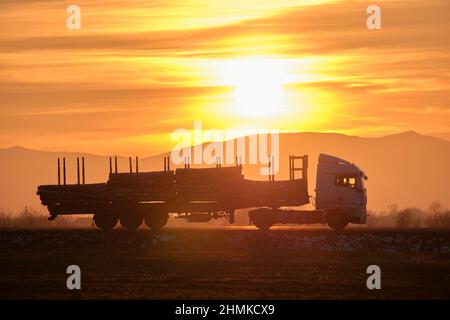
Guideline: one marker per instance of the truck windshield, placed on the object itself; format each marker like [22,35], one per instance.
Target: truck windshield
[346,181]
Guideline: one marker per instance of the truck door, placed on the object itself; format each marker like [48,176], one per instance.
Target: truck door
[350,189]
[347,189]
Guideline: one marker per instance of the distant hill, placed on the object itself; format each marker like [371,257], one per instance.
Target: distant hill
[442,135]
[407,169]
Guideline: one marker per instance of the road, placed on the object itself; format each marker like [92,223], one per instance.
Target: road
[225,263]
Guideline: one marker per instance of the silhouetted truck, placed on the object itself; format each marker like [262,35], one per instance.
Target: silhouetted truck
[201,194]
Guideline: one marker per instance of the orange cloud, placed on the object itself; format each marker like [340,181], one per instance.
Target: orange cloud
[136,71]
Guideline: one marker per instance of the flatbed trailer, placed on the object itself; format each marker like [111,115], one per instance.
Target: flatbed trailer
[197,194]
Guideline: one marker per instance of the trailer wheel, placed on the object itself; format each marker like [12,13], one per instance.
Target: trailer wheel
[157,220]
[105,221]
[263,226]
[261,218]
[131,222]
[336,220]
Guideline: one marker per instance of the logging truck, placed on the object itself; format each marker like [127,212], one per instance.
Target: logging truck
[202,194]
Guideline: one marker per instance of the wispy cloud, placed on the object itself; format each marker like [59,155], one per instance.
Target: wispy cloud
[142,69]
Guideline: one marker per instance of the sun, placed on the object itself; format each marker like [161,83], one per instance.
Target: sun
[258,86]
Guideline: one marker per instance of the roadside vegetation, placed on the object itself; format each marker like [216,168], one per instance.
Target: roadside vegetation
[435,216]
[31,218]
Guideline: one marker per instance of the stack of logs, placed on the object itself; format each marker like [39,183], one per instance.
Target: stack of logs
[209,184]
[143,186]
[72,194]
[184,185]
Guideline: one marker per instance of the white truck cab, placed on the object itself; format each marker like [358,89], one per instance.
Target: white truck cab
[340,191]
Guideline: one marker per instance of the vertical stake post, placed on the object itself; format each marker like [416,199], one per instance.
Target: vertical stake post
[273,168]
[64,170]
[59,171]
[305,168]
[83,171]
[290,168]
[78,170]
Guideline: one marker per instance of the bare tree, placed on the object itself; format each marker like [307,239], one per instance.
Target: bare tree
[438,216]
[409,217]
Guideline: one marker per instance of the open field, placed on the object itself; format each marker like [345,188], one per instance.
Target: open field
[226,263]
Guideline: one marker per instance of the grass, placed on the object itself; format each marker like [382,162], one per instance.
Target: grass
[225,264]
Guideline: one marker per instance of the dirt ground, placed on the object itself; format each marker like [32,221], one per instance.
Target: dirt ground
[225,263]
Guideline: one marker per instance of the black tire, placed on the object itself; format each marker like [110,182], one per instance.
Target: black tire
[337,220]
[105,221]
[263,226]
[261,220]
[156,220]
[131,221]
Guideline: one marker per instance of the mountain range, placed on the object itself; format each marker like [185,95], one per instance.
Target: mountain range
[407,169]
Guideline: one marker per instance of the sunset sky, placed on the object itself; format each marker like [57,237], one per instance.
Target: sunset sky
[138,70]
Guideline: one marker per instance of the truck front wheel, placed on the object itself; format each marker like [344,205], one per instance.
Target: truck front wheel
[157,220]
[336,220]
[105,221]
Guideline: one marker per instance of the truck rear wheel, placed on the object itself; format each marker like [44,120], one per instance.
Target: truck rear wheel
[336,220]
[105,221]
[157,220]
[131,222]
[261,218]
